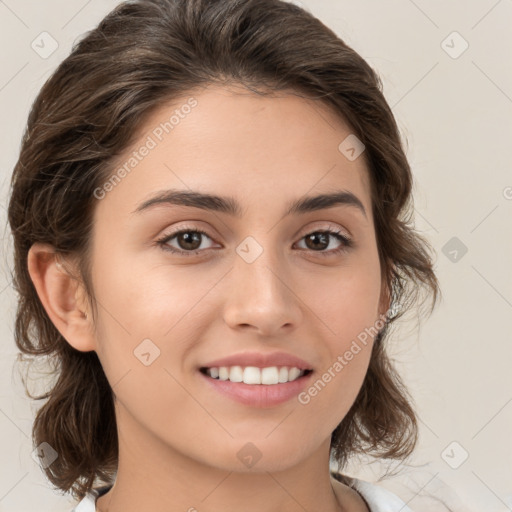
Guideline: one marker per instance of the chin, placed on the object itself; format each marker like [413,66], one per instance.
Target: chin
[259,456]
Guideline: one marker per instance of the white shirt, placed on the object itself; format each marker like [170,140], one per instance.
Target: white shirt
[378,498]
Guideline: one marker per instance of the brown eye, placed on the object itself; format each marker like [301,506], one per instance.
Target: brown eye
[188,241]
[318,241]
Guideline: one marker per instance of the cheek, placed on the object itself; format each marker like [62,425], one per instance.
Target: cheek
[138,303]
[335,387]
[346,312]
[147,323]
[344,303]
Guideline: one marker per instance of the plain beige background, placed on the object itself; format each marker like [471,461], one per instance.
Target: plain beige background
[448,77]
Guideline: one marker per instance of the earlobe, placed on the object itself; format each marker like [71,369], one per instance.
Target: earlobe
[61,295]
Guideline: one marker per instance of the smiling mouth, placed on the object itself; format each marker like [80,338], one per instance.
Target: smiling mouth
[253,375]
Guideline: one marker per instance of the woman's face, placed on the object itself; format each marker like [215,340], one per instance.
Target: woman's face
[261,281]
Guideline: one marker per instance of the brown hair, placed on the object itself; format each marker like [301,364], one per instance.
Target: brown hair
[144,53]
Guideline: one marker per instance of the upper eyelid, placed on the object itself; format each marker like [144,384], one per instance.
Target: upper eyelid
[328,225]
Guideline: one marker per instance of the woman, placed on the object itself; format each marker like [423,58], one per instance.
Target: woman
[211,216]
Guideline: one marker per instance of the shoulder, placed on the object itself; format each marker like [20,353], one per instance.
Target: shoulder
[377,498]
[88,502]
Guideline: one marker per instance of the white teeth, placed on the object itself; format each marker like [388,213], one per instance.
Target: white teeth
[236,374]
[269,375]
[253,375]
[294,373]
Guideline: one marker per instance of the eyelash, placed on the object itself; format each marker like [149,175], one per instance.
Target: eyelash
[347,243]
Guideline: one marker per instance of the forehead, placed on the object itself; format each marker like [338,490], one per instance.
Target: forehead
[264,148]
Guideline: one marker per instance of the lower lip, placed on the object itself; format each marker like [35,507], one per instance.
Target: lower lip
[259,395]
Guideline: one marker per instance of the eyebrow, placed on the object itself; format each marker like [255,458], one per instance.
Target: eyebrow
[230,206]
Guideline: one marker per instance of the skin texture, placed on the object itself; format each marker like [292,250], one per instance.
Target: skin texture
[178,438]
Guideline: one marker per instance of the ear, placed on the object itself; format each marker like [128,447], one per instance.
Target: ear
[62,296]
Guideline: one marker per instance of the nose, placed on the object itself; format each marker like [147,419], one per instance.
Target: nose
[261,297]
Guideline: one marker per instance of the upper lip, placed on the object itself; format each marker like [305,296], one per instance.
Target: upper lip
[260,360]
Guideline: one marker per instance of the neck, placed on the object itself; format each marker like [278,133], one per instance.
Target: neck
[155,476]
